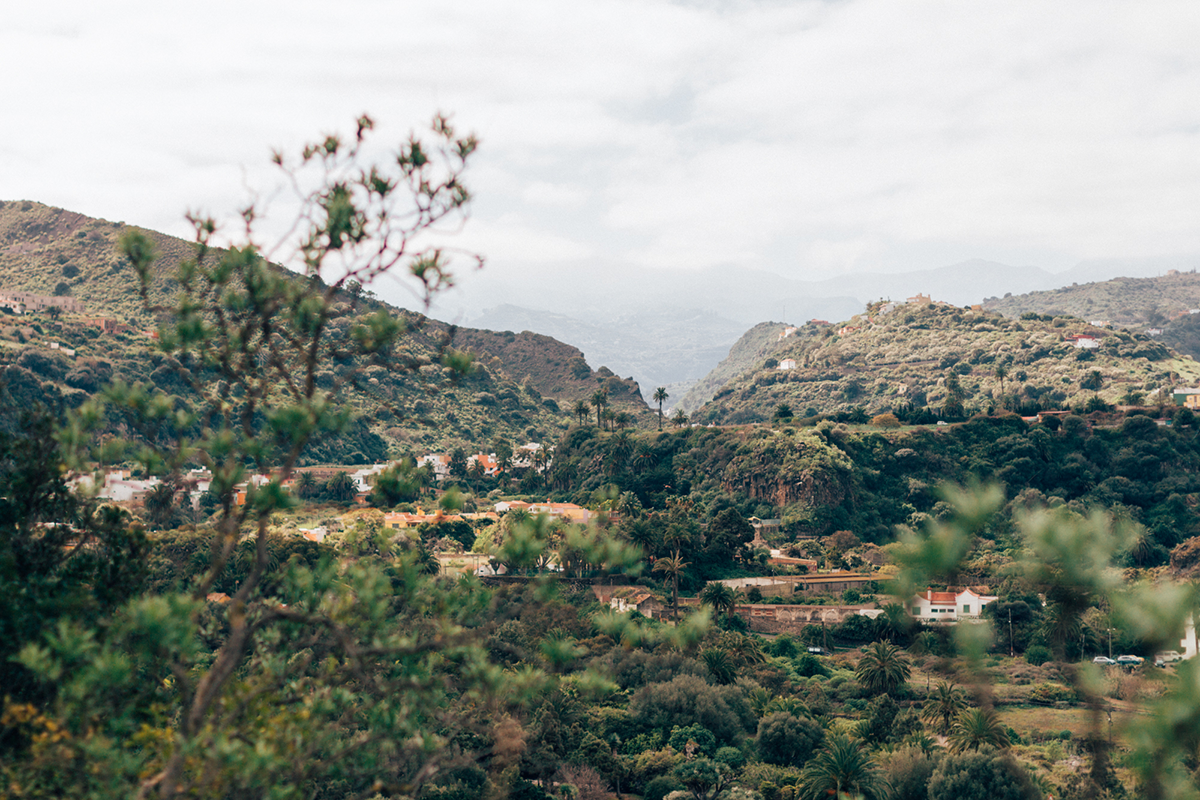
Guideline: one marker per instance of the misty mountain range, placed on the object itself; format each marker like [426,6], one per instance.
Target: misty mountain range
[670,328]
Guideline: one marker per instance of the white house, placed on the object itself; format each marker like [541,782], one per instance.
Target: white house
[787,363]
[439,462]
[362,477]
[948,607]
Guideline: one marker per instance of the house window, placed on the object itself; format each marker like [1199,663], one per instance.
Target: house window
[966,609]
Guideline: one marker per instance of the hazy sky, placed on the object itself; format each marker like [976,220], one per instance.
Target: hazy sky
[804,138]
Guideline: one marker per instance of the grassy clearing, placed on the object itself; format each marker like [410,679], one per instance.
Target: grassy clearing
[1028,719]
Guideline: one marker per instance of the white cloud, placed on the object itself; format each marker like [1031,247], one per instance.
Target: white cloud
[786,136]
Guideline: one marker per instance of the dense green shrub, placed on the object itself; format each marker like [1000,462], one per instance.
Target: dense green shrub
[786,739]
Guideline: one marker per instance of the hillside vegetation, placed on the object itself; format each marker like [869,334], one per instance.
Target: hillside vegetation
[902,360]
[1121,301]
[511,392]
[754,346]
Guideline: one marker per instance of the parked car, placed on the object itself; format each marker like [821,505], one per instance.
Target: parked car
[1129,660]
[1105,660]
[818,651]
[1167,657]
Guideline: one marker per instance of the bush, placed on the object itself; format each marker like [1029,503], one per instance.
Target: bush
[808,666]
[660,787]
[984,775]
[689,700]
[786,739]
[731,757]
[50,366]
[1037,655]
[1052,693]
[783,646]
[705,743]
[885,421]
[909,770]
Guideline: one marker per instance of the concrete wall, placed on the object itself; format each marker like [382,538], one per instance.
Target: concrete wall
[793,619]
[767,618]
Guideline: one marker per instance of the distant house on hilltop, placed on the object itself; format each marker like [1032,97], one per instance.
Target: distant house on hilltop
[107,325]
[948,607]
[1084,341]
[568,512]
[1188,398]
[487,462]
[40,302]
[632,598]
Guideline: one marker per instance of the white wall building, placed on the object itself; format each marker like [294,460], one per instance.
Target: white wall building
[948,607]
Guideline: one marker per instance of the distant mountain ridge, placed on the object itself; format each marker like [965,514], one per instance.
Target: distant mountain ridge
[656,348]
[1122,301]
[884,361]
[612,319]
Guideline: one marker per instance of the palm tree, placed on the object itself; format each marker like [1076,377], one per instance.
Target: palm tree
[842,768]
[582,408]
[160,505]
[563,474]
[942,705]
[642,533]
[306,485]
[720,597]
[882,669]
[1001,373]
[975,728]
[609,416]
[660,397]
[541,459]
[426,562]
[620,448]
[720,666]
[760,700]
[643,458]
[680,418]
[672,566]
[599,401]
[623,419]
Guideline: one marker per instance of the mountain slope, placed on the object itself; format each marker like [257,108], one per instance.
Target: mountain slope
[887,361]
[747,353]
[655,346]
[42,247]
[1122,301]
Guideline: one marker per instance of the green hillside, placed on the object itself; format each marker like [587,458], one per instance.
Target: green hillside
[512,392]
[1127,302]
[551,367]
[754,347]
[902,360]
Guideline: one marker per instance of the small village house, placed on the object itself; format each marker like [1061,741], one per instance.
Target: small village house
[948,607]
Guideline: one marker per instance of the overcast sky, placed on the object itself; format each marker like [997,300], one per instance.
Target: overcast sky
[804,138]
